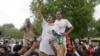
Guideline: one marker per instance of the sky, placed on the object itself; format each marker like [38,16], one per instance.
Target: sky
[16,11]
[96,13]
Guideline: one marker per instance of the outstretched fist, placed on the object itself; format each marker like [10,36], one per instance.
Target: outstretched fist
[37,5]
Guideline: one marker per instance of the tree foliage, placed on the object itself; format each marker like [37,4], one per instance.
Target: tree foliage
[78,12]
[8,30]
[38,26]
[6,26]
[97,28]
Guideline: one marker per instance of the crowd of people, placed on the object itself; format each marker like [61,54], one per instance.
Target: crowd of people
[73,48]
[54,40]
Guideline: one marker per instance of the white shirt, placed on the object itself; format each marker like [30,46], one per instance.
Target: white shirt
[46,35]
[63,23]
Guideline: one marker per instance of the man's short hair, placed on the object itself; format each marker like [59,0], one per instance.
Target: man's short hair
[60,11]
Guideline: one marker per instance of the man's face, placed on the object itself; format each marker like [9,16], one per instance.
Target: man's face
[58,15]
[50,19]
[27,21]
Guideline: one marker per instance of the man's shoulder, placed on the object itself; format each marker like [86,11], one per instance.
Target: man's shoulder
[64,19]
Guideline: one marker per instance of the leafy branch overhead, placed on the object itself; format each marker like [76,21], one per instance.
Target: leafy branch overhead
[78,12]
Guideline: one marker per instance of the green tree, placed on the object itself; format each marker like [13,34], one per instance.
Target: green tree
[8,30]
[91,28]
[78,12]
[38,26]
[14,33]
[6,26]
[1,31]
[97,28]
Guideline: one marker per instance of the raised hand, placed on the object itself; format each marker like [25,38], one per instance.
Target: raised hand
[37,5]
